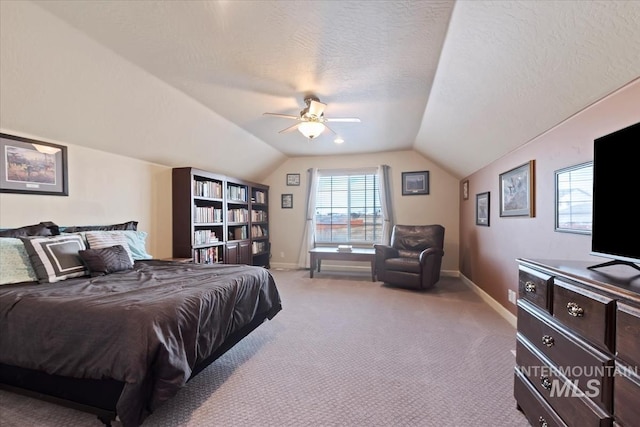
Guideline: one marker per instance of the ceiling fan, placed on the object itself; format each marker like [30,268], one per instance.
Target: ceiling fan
[311,121]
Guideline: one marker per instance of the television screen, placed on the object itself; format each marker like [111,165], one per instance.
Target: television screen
[616,191]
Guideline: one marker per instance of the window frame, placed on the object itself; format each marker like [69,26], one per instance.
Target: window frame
[377,223]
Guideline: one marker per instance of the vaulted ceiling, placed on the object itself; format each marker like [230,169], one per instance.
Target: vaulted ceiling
[462,82]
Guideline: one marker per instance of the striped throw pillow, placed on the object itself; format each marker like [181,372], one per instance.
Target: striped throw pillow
[106,260]
[104,239]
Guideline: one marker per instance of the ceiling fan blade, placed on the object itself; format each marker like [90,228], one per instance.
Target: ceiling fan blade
[332,131]
[343,119]
[286,116]
[290,128]
[316,108]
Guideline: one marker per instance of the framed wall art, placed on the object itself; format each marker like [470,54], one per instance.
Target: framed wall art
[483,208]
[574,198]
[414,183]
[287,201]
[465,189]
[293,179]
[32,167]
[517,191]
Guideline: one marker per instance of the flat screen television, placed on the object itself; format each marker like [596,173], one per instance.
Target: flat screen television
[616,196]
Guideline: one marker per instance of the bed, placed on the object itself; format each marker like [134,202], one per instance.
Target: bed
[121,344]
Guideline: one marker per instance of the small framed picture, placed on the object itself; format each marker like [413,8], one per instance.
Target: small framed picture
[287,201]
[483,206]
[293,179]
[517,191]
[414,183]
[32,167]
[465,189]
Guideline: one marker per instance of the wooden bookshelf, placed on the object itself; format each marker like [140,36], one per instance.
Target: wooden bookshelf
[219,219]
[259,225]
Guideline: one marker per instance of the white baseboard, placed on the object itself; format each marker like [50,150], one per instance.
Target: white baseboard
[284,266]
[506,314]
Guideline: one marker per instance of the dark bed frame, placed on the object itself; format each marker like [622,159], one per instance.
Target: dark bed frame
[99,397]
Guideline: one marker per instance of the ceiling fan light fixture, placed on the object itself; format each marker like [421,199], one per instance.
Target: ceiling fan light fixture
[311,129]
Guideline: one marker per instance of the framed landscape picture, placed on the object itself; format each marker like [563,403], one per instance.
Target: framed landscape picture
[32,167]
[517,191]
[414,183]
[483,206]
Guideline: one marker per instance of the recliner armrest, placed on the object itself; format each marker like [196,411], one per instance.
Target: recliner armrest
[385,251]
[430,252]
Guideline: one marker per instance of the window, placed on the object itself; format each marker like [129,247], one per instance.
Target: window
[574,198]
[348,208]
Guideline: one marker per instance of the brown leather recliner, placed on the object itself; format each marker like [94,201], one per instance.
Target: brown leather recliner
[414,258]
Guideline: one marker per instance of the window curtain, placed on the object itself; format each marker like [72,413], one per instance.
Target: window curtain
[385,203]
[309,235]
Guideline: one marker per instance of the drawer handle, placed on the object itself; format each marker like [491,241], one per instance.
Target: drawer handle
[546,383]
[548,340]
[530,287]
[575,310]
[542,421]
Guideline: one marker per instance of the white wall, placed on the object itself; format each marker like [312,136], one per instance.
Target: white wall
[58,83]
[439,207]
[104,188]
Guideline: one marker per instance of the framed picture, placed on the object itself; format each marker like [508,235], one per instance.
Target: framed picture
[32,167]
[465,189]
[293,179]
[516,191]
[414,183]
[574,197]
[287,201]
[483,208]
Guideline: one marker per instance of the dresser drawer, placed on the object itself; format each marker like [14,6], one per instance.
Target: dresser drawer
[535,408]
[628,334]
[588,314]
[574,408]
[535,287]
[627,404]
[580,362]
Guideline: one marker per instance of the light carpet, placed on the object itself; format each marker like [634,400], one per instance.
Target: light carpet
[344,351]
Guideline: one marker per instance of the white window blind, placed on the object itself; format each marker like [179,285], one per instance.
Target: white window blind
[348,208]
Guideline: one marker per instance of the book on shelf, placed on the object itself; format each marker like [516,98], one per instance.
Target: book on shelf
[344,248]
[208,189]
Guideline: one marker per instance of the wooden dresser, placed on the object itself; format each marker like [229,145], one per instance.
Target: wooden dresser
[578,344]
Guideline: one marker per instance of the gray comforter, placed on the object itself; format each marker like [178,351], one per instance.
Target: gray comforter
[147,327]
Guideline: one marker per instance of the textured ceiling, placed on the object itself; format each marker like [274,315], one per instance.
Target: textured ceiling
[462,82]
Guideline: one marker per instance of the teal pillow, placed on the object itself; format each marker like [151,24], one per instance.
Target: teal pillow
[137,244]
[15,266]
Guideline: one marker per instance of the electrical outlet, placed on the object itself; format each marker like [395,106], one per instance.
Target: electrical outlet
[512,296]
[281,254]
